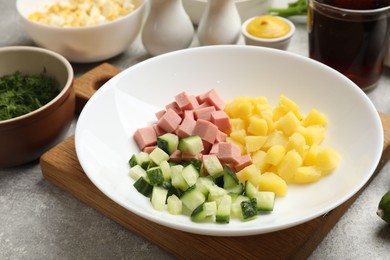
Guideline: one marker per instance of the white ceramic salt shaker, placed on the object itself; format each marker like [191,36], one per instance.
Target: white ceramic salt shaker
[167,27]
[220,23]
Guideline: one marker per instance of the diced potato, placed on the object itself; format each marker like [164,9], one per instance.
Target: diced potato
[297,142]
[275,138]
[287,104]
[314,134]
[245,110]
[306,174]
[288,165]
[237,124]
[275,154]
[250,173]
[254,143]
[270,181]
[258,160]
[315,118]
[327,160]
[311,155]
[257,126]
[239,136]
[287,123]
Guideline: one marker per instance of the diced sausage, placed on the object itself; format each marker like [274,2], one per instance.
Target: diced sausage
[175,156]
[186,128]
[169,121]
[221,137]
[229,153]
[145,136]
[206,130]
[204,113]
[160,113]
[220,119]
[175,107]
[149,149]
[245,161]
[185,101]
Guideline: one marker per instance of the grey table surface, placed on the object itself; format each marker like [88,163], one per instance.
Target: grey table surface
[40,221]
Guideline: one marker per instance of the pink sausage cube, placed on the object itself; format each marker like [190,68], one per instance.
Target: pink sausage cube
[220,119]
[186,102]
[206,130]
[186,128]
[221,137]
[229,153]
[214,99]
[206,147]
[175,156]
[175,107]
[169,121]
[204,113]
[145,136]
[159,131]
[160,113]
[189,114]
[149,149]
[189,157]
[214,149]
[245,161]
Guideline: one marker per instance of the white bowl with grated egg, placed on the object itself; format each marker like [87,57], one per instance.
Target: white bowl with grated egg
[91,42]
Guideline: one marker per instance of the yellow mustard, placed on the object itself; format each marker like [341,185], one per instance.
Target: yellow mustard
[268,26]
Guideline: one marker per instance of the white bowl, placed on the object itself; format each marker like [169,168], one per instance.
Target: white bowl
[246,8]
[130,100]
[83,44]
[281,43]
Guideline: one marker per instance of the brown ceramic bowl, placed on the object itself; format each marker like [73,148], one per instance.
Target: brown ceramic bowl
[25,138]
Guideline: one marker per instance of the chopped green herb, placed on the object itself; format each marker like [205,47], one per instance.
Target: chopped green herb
[298,7]
[21,94]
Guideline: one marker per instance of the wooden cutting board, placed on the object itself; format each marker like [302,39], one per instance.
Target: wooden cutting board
[61,167]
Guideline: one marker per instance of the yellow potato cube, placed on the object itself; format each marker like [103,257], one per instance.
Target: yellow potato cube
[315,118]
[275,138]
[257,126]
[245,110]
[238,136]
[306,174]
[258,160]
[254,143]
[311,155]
[327,160]
[270,181]
[287,123]
[250,173]
[297,142]
[237,124]
[288,165]
[277,113]
[287,104]
[314,134]
[275,154]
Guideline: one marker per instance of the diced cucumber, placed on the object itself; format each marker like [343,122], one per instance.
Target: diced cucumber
[238,189]
[158,155]
[142,159]
[265,200]
[190,174]
[175,205]
[236,210]
[143,187]
[224,208]
[203,211]
[137,172]
[155,175]
[177,177]
[230,179]
[250,189]
[192,198]
[192,145]
[166,170]
[168,142]
[249,209]
[216,193]
[158,198]
[213,166]
[203,182]
[198,164]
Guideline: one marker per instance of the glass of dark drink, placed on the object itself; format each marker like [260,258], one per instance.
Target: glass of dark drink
[351,36]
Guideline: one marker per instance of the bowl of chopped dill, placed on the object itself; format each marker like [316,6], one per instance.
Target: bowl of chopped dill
[37,102]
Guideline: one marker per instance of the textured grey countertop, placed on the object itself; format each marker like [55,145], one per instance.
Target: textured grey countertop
[40,221]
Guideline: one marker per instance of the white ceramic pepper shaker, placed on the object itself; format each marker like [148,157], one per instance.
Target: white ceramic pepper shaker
[167,27]
[220,23]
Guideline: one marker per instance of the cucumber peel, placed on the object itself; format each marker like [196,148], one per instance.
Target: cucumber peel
[384,207]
